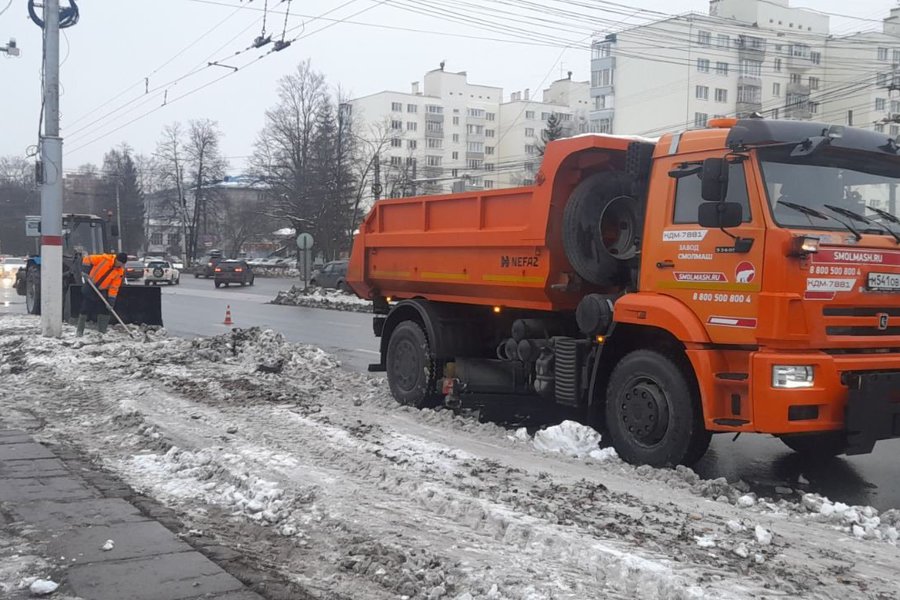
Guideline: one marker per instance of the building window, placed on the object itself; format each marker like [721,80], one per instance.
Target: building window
[721,68]
[545,116]
[454,173]
[528,181]
[475,147]
[396,161]
[604,126]
[721,95]
[778,65]
[796,100]
[529,132]
[411,108]
[488,149]
[489,116]
[601,50]
[703,65]
[813,107]
[700,119]
[433,161]
[815,57]
[410,161]
[795,77]
[751,68]
[434,127]
[434,109]
[455,138]
[474,163]
[396,142]
[454,156]
[489,133]
[601,78]
[396,106]
[723,41]
[529,114]
[881,79]
[456,120]
[895,130]
[156,239]
[813,83]
[530,149]
[776,90]
[411,126]
[488,184]
[895,106]
[477,113]
[396,124]
[412,144]
[435,143]
[704,38]
[879,127]
[702,92]
[880,104]
[475,129]
[488,166]
[882,54]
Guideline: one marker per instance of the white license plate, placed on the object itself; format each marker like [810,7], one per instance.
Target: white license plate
[886,282]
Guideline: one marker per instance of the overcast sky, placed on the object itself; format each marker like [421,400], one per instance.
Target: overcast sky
[364,46]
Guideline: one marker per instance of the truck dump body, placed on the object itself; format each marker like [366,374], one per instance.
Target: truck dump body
[490,248]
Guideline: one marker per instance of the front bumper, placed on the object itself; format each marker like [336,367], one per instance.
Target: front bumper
[873,409]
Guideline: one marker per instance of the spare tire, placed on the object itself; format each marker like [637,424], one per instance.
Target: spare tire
[157,272]
[601,227]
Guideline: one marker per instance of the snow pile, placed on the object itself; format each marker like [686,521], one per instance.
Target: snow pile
[571,439]
[316,297]
[860,521]
[43,587]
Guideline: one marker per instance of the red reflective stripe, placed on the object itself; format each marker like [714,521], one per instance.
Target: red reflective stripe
[51,240]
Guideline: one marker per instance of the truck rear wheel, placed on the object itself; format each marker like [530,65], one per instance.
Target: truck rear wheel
[653,412]
[410,366]
[33,291]
[817,445]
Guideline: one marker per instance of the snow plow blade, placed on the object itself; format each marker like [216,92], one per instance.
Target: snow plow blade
[135,305]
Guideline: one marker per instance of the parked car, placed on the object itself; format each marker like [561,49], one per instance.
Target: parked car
[176,263]
[134,271]
[208,264]
[331,275]
[9,266]
[160,271]
[233,271]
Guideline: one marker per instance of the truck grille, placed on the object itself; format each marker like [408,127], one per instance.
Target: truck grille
[862,321]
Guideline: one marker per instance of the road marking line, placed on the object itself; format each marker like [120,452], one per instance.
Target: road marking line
[339,324]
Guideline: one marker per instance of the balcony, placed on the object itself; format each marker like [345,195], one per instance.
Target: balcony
[750,47]
[800,89]
[434,133]
[749,80]
[434,117]
[799,63]
[798,111]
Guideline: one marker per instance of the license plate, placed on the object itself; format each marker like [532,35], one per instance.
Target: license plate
[886,282]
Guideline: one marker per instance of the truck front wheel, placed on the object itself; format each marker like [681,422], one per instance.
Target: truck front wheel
[33,291]
[410,366]
[653,412]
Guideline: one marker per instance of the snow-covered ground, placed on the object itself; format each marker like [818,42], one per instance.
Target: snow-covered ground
[316,472]
[316,297]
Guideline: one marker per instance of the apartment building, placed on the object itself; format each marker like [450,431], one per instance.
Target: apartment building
[744,57]
[450,135]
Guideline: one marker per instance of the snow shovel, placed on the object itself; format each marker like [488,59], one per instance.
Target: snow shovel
[109,307]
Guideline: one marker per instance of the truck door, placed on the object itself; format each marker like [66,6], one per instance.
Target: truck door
[704,268]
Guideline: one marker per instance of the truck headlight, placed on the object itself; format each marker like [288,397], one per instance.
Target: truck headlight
[792,376]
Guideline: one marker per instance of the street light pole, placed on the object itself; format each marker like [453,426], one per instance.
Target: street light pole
[51,182]
[119,215]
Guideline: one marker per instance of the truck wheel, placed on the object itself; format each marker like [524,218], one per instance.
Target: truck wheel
[410,367]
[817,445]
[601,226]
[218,284]
[653,413]
[33,291]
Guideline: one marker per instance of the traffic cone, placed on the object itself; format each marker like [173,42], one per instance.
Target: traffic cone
[228,320]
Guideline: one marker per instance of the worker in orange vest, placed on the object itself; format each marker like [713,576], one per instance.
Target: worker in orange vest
[107,272]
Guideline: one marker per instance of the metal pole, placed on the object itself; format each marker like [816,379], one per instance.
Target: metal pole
[52,183]
[119,215]
[305,265]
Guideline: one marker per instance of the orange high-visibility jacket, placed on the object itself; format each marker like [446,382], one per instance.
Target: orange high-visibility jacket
[105,275]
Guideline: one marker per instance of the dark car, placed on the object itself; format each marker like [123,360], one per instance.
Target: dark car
[233,271]
[332,275]
[134,271]
[207,267]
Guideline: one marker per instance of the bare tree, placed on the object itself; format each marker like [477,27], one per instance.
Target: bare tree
[171,160]
[15,170]
[206,166]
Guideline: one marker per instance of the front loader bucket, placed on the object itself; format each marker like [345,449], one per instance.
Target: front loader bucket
[140,305]
[135,305]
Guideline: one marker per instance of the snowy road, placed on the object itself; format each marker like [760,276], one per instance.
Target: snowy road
[319,474]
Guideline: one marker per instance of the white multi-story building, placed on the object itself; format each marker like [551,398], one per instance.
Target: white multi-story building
[449,134]
[745,57]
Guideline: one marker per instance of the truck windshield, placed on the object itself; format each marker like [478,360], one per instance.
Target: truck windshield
[840,177]
[84,236]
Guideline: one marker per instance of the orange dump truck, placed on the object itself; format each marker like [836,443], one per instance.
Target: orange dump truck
[740,278]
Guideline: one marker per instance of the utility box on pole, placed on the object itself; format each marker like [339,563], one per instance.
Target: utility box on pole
[51,182]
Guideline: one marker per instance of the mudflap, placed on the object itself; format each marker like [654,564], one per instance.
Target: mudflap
[136,305]
[873,410]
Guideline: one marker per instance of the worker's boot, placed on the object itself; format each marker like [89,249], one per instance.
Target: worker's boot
[79,329]
[102,323]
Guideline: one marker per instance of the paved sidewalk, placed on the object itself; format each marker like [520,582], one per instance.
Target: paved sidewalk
[70,520]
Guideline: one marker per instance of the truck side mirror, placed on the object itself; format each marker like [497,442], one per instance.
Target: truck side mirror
[114,230]
[720,215]
[714,186]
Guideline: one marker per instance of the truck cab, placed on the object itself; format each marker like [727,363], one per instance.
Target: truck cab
[738,278]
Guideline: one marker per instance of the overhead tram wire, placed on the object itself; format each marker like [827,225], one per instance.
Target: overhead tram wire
[247,65]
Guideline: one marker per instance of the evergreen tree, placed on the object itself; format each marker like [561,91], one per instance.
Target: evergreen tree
[553,131]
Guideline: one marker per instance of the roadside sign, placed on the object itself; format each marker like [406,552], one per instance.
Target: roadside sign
[304,241]
[33,226]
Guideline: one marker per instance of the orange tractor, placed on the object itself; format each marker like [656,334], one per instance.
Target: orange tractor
[739,278]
